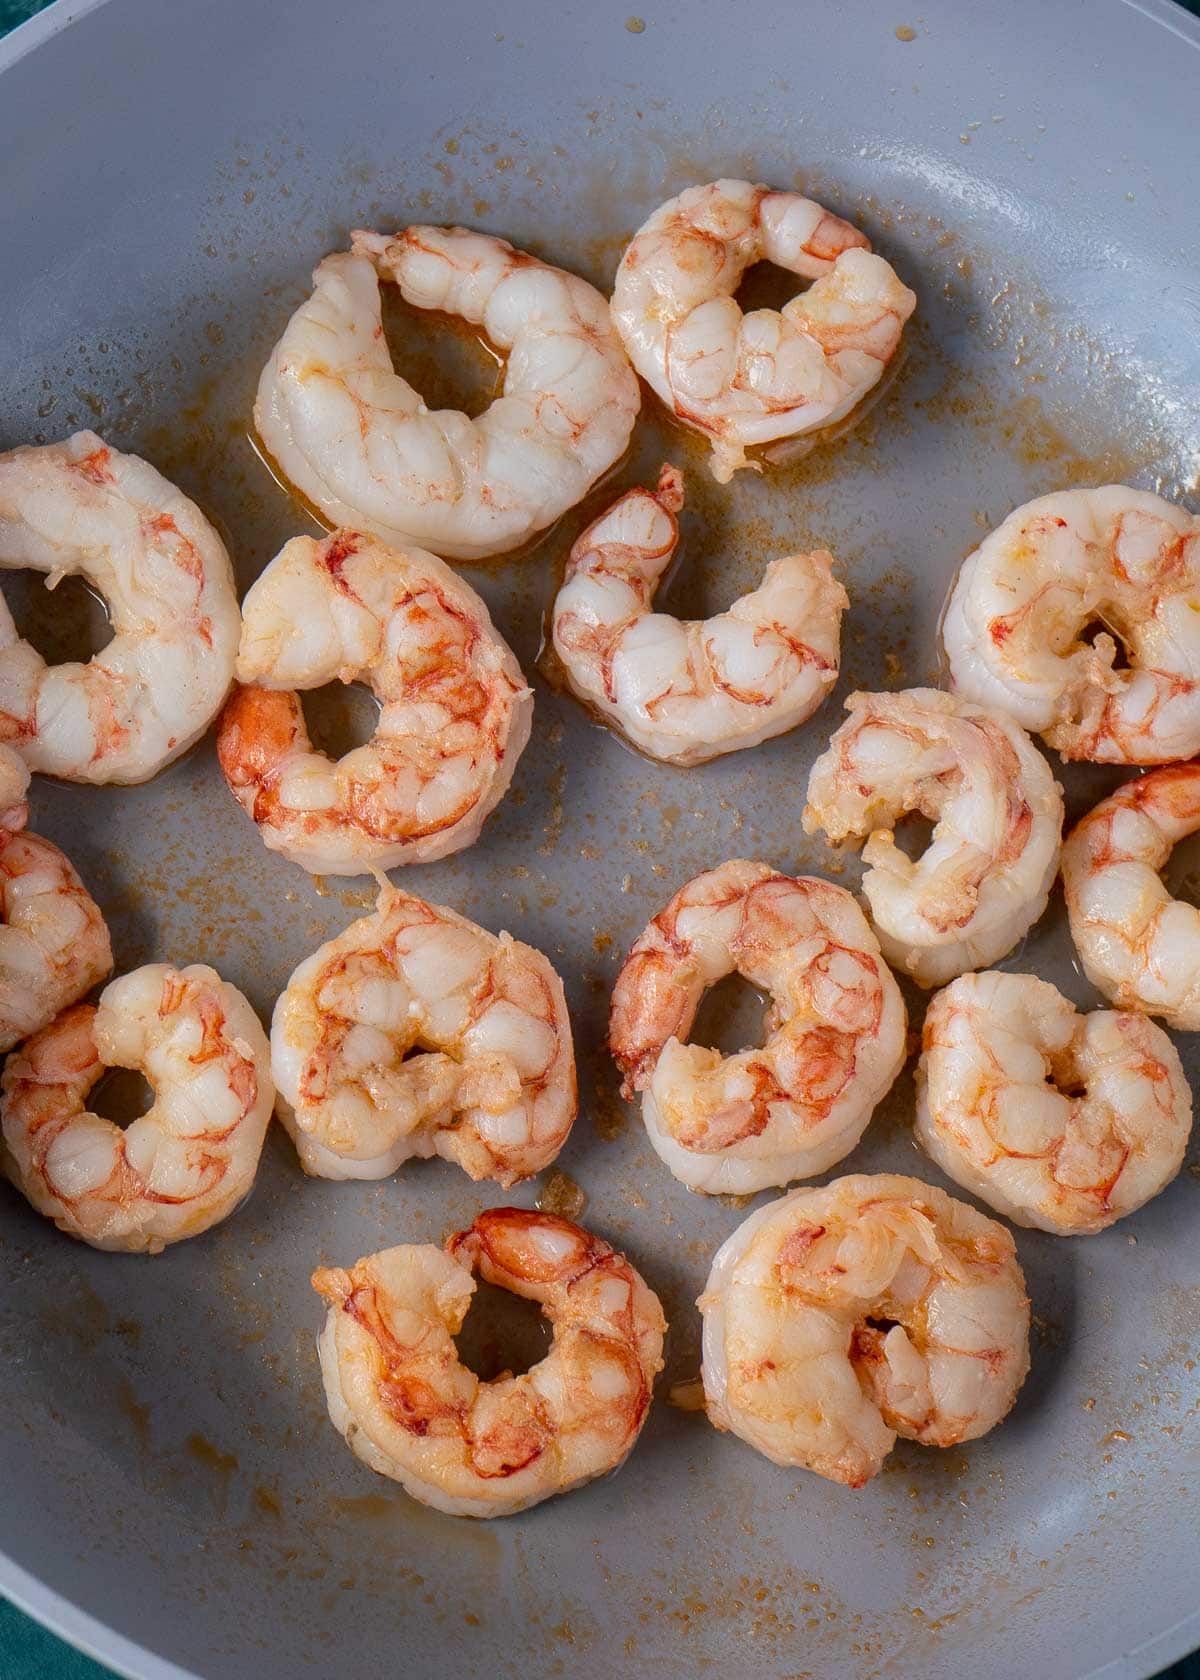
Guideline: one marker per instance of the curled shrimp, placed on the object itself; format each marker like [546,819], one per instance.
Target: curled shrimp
[835,1028]
[188,1161]
[410,1409]
[750,379]
[14,784]
[54,944]
[359,442]
[1138,945]
[416,1033]
[997,812]
[80,507]
[685,693]
[454,708]
[839,1317]
[1014,627]
[1063,1121]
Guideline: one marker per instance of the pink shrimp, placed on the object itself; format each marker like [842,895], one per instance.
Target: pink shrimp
[410,1409]
[835,1031]
[750,379]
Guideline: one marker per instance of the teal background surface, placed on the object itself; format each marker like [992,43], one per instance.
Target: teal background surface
[13,12]
[28,1651]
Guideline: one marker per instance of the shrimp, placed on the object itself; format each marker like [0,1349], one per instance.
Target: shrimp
[685,693]
[1058,1120]
[1138,945]
[454,708]
[1015,623]
[359,442]
[81,507]
[411,1410]
[54,945]
[835,1028]
[14,784]
[839,1317]
[416,1033]
[749,379]
[188,1161]
[997,812]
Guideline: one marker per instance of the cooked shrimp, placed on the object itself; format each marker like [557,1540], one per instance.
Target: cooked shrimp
[1058,1120]
[416,1033]
[997,812]
[686,693]
[54,945]
[14,784]
[454,708]
[1015,622]
[749,379]
[1137,944]
[188,1161]
[839,1317]
[411,1410]
[80,507]
[835,1029]
[359,442]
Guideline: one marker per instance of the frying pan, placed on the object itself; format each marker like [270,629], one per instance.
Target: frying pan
[174,1497]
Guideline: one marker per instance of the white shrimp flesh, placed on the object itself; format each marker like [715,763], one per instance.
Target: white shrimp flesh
[1077,616]
[454,709]
[839,1317]
[82,508]
[408,1407]
[358,441]
[179,1168]
[1138,945]
[835,1030]
[1063,1121]
[986,873]
[687,692]
[744,380]
[417,1033]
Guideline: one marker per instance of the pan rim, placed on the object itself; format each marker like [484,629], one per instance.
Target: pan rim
[80,1629]
[42,27]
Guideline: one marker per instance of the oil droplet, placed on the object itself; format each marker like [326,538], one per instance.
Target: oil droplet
[608,1116]
[904,32]
[137,1412]
[204,1452]
[266,1500]
[687,1396]
[636,25]
[367,1505]
[562,1196]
